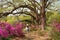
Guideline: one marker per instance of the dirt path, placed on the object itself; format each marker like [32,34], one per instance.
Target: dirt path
[33,36]
[36,36]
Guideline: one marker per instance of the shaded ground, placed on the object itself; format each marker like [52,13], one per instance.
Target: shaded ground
[34,36]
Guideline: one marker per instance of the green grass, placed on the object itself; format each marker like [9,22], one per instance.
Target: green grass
[24,17]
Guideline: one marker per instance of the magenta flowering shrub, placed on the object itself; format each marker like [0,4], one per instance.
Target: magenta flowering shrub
[56,25]
[18,29]
[4,33]
[7,30]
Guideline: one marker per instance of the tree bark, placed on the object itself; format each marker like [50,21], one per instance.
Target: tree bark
[43,16]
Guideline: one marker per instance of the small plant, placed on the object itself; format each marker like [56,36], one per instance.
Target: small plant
[56,30]
[55,35]
[56,25]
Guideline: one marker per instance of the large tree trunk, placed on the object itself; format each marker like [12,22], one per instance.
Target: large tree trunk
[43,16]
[43,21]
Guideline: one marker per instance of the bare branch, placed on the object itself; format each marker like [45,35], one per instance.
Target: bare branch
[7,13]
[4,14]
[35,4]
[27,13]
[21,6]
[34,1]
[48,4]
[46,1]
[12,4]
[25,6]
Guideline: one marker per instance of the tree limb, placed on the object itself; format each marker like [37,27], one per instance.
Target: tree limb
[48,4]
[34,1]
[25,6]
[12,4]
[27,13]
[4,14]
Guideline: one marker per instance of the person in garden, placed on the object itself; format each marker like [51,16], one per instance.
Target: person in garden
[27,28]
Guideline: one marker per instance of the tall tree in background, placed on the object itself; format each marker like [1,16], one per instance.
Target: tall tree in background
[39,9]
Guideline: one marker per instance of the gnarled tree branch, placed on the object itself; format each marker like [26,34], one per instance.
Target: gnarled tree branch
[25,6]
[48,4]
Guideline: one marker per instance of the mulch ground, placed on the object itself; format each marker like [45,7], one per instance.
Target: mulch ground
[33,36]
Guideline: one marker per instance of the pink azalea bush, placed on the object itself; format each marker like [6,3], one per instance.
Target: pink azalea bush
[55,33]
[56,25]
[7,30]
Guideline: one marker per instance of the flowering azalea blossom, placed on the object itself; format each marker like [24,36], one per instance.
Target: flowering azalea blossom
[7,30]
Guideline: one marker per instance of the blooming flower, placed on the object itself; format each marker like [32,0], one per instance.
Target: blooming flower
[7,30]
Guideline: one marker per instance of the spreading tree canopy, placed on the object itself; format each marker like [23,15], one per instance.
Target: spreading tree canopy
[35,8]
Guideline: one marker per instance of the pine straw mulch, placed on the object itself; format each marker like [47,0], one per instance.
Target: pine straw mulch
[33,36]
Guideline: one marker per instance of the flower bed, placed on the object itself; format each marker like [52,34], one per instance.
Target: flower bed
[7,30]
